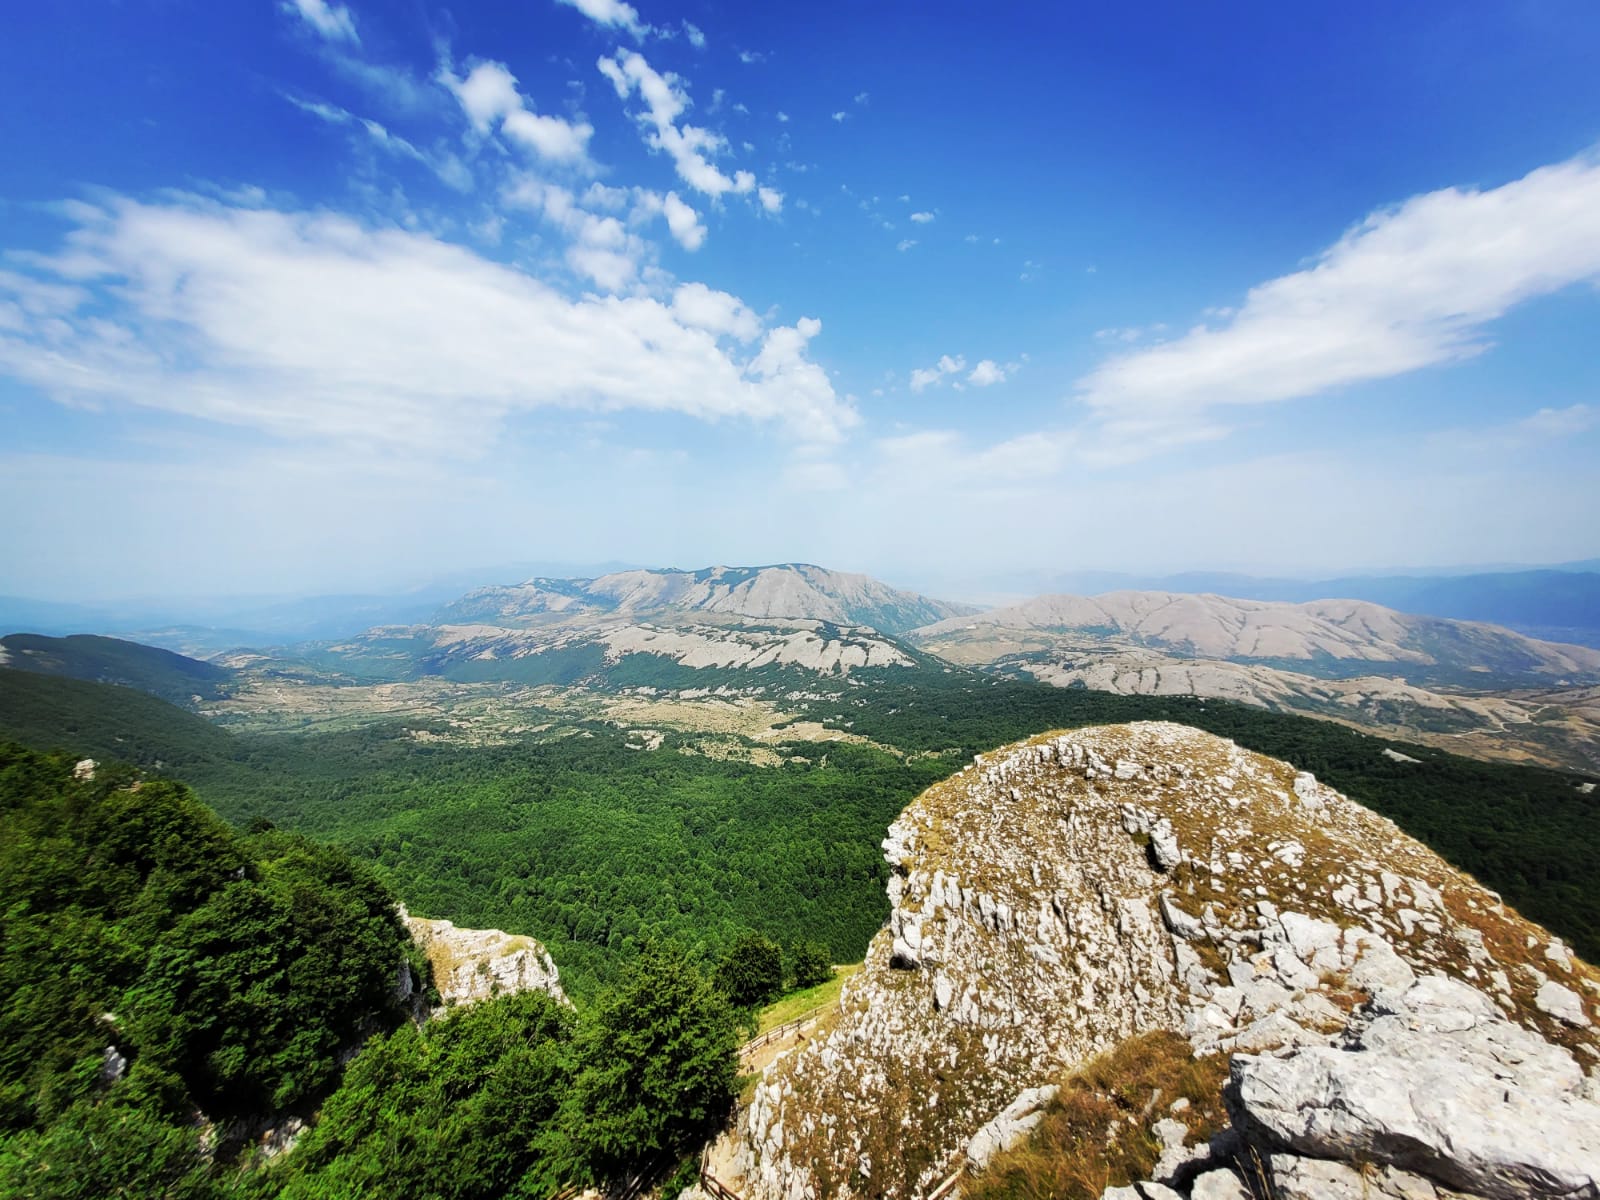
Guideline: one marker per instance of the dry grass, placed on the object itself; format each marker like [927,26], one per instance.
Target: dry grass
[1097,1132]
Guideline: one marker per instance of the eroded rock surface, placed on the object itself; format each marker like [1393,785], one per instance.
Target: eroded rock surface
[1065,894]
[474,964]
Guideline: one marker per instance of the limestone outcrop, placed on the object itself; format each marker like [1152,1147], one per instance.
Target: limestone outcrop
[1381,1010]
[475,964]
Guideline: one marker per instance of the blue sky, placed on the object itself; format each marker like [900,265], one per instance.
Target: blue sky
[301,295]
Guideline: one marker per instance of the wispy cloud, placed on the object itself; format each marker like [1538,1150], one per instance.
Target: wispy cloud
[332,21]
[689,146]
[1409,287]
[450,169]
[313,327]
[1536,429]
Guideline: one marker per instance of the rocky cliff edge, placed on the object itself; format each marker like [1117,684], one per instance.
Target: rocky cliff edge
[1385,1025]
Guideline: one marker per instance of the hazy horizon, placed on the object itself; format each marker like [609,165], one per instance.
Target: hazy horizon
[306,297]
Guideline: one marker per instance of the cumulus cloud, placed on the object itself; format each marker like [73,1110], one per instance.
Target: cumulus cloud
[922,218]
[332,21]
[1409,287]
[987,372]
[613,14]
[684,222]
[924,377]
[489,95]
[689,146]
[771,199]
[697,39]
[702,307]
[315,328]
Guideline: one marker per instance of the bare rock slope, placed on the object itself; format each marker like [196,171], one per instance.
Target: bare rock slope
[1058,898]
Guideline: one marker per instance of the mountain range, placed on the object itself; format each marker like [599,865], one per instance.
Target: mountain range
[802,630]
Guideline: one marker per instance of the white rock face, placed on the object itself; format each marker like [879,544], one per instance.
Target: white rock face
[475,964]
[1438,1083]
[1065,894]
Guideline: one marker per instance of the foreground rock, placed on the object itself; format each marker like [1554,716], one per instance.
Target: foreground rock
[1064,895]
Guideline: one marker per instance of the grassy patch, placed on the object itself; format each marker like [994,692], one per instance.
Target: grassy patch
[807,1001]
[1097,1132]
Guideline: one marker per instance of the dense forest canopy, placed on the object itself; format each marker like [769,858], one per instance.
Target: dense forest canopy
[172,988]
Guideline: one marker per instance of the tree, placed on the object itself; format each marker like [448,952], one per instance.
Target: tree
[657,1057]
[809,963]
[751,973]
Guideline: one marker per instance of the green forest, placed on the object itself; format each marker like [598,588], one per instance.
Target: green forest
[172,989]
[596,849]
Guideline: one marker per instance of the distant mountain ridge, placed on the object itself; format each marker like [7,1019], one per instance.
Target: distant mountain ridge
[1322,637]
[1472,687]
[788,591]
[1558,603]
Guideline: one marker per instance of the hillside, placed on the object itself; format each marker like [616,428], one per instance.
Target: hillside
[1095,937]
[106,721]
[789,591]
[173,677]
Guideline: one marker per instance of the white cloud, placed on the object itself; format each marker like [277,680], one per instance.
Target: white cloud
[332,21]
[684,222]
[696,37]
[841,116]
[701,307]
[863,97]
[602,249]
[1410,287]
[489,94]
[924,377]
[905,243]
[613,14]
[771,199]
[687,145]
[783,118]
[922,218]
[987,372]
[750,57]
[314,328]
[450,169]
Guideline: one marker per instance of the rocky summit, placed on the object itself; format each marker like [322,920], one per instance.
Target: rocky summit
[1378,1023]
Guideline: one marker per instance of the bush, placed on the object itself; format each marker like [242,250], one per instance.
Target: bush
[751,973]
[809,963]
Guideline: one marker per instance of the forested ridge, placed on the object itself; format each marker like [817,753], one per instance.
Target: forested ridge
[170,990]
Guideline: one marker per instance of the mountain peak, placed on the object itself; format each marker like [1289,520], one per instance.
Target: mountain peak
[782,591]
